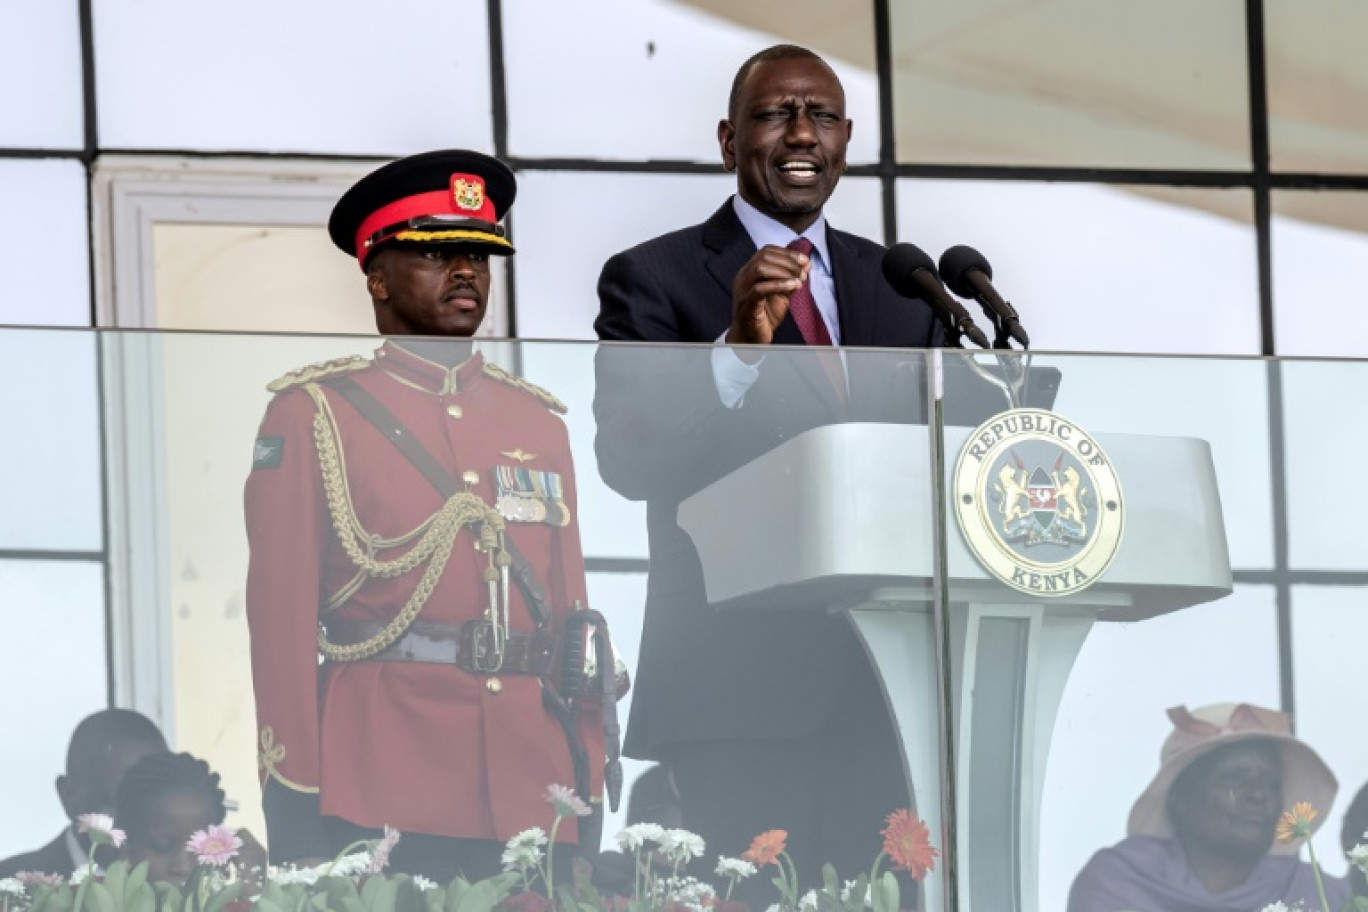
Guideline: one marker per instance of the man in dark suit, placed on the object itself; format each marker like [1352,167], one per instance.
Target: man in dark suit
[102,747]
[769,719]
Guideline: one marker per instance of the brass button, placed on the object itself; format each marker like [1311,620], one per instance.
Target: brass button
[493,685]
[455,411]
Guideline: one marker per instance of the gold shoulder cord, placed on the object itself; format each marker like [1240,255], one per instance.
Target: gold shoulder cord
[436,537]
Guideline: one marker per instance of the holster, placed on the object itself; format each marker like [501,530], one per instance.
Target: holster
[573,689]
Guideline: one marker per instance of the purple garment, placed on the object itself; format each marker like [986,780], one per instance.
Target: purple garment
[1145,874]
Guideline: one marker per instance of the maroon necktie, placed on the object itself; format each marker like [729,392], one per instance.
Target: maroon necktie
[809,319]
[803,306]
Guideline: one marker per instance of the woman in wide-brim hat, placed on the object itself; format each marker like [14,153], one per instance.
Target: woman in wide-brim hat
[1201,837]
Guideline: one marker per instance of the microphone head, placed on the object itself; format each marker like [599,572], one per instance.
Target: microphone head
[955,266]
[901,260]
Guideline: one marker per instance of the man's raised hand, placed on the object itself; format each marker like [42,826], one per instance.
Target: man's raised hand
[760,294]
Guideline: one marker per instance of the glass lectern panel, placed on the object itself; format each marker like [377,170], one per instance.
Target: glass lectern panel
[1126,651]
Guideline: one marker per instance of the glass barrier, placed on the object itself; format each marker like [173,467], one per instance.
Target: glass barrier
[1124,635]
[371,582]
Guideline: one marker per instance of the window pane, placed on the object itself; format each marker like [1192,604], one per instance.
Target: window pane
[51,241]
[40,75]
[1328,629]
[1317,85]
[325,76]
[54,668]
[651,79]
[1320,266]
[1071,82]
[1104,268]
[1322,446]
[50,474]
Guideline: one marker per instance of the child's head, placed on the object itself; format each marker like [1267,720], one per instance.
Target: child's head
[162,800]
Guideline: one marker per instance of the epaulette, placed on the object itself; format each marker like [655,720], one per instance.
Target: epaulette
[503,376]
[318,372]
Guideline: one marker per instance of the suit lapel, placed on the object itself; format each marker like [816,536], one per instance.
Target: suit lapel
[854,291]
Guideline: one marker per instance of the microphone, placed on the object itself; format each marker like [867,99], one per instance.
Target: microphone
[912,274]
[967,273]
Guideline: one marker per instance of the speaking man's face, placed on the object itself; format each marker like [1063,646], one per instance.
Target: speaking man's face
[429,289]
[787,142]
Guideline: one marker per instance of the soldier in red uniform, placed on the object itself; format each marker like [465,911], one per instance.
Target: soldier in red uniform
[416,574]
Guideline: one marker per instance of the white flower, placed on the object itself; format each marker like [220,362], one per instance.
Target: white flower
[423,884]
[289,874]
[13,886]
[774,907]
[101,829]
[352,865]
[736,868]
[79,875]
[681,846]
[638,834]
[849,887]
[528,839]
[808,902]
[1276,907]
[690,893]
[519,857]
[1358,856]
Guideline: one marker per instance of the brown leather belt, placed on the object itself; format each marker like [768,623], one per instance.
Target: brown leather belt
[469,646]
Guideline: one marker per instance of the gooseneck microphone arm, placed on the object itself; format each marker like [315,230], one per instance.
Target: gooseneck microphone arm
[912,274]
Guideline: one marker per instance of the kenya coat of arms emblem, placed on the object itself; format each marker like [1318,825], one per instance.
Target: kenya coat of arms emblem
[1038,502]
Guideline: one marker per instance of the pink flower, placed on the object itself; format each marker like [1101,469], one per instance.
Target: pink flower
[380,857]
[215,846]
[39,879]
[567,803]
[101,829]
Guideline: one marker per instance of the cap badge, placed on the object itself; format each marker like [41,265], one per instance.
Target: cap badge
[468,194]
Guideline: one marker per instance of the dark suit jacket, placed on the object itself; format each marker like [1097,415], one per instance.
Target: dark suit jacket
[52,858]
[663,434]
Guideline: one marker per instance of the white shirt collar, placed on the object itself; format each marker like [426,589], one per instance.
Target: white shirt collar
[765,230]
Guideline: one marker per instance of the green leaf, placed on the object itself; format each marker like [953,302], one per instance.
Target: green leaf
[885,893]
[115,878]
[140,898]
[456,891]
[484,895]
[1361,903]
[137,879]
[266,904]
[98,898]
[382,897]
[223,897]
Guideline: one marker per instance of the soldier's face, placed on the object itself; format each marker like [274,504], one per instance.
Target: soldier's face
[788,142]
[429,289]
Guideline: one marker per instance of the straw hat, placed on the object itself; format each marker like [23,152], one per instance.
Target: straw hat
[1208,728]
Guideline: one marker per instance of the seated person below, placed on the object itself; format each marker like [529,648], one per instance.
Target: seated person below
[1202,837]
[163,800]
[1353,834]
[102,746]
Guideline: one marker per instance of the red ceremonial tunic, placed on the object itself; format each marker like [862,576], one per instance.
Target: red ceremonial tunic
[426,748]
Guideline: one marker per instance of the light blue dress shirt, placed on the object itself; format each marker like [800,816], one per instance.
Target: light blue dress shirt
[735,377]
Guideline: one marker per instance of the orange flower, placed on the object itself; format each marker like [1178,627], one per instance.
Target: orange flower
[765,848]
[1296,823]
[908,843]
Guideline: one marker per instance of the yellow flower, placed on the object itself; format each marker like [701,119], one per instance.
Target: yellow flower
[1296,823]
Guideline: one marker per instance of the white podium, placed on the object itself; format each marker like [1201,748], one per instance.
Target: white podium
[841,518]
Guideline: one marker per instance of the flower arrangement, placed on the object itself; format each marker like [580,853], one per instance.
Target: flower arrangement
[357,879]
